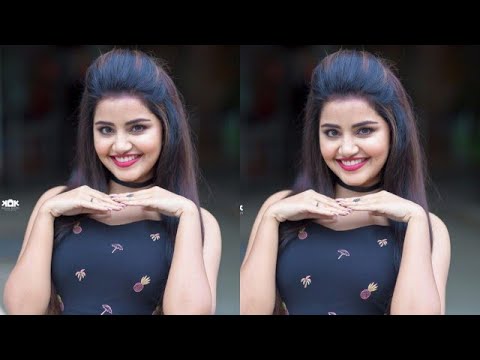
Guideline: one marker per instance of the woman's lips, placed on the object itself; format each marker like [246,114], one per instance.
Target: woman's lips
[352,167]
[126,163]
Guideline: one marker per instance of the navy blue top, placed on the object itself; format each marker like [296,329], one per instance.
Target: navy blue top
[324,271]
[104,269]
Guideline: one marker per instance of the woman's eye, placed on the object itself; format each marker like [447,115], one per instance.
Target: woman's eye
[365,131]
[138,128]
[331,133]
[105,130]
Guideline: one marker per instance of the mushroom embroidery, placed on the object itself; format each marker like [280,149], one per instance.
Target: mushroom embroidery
[365,294]
[106,309]
[117,247]
[302,234]
[77,229]
[80,274]
[155,237]
[139,285]
[343,252]
[306,281]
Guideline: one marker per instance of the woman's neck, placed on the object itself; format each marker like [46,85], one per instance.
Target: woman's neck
[117,186]
[341,192]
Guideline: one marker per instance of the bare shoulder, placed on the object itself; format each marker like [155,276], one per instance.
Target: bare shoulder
[441,236]
[45,196]
[52,192]
[272,199]
[438,225]
[213,237]
[208,219]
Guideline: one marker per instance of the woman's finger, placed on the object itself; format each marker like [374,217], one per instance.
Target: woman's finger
[340,210]
[365,207]
[320,211]
[95,195]
[130,196]
[110,204]
[135,202]
[88,207]
[326,200]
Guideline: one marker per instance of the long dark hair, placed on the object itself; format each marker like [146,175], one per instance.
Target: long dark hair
[359,74]
[130,72]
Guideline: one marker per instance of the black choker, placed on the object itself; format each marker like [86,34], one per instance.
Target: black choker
[360,188]
[131,184]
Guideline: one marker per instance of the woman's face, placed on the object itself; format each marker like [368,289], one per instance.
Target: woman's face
[127,138]
[354,141]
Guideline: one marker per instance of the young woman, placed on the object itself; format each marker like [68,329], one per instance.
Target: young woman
[354,235]
[126,234]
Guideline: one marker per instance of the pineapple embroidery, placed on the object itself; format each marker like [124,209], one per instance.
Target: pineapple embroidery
[302,234]
[365,294]
[77,229]
[155,237]
[343,252]
[80,274]
[60,303]
[139,285]
[382,242]
[306,281]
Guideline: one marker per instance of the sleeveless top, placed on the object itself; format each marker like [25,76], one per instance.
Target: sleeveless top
[329,272]
[112,269]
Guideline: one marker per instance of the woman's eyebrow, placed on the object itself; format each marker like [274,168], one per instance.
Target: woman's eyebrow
[129,122]
[362,123]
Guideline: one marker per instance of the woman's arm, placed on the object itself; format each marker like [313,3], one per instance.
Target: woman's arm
[422,278]
[257,274]
[28,287]
[191,284]
[212,252]
[27,290]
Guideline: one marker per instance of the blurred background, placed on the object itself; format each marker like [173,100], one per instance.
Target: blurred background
[40,90]
[444,83]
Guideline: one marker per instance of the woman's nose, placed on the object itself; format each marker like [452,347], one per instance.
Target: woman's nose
[121,144]
[348,148]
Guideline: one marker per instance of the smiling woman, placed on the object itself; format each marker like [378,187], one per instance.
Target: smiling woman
[130,144]
[126,235]
[360,193]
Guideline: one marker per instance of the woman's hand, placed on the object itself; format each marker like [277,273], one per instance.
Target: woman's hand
[81,200]
[384,203]
[306,205]
[158,199]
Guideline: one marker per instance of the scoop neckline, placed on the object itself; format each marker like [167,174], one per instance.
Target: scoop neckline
[132,222]
[357,228]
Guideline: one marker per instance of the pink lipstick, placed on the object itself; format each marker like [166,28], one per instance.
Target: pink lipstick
[125,163]
[352,167]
